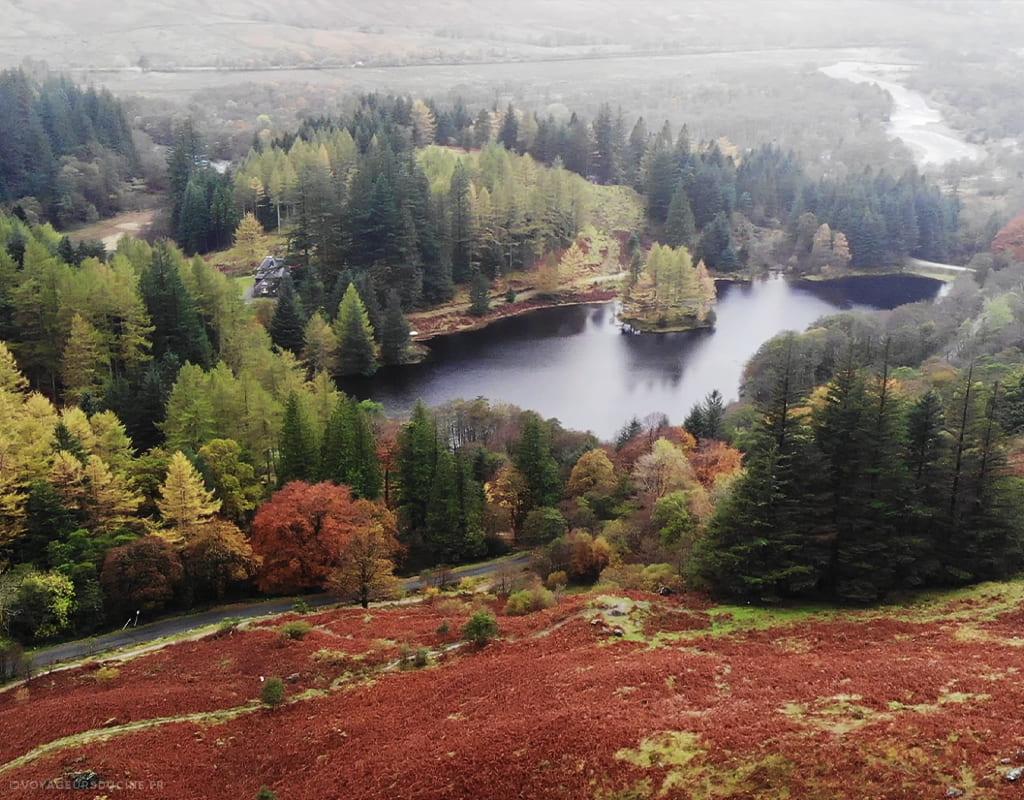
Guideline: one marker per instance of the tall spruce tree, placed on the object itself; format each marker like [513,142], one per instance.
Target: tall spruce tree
[297,455]
[178,330]
[532,457]
[765,540]
[394,338]
[680,229]
[417,459]
[287,327]
[356,349]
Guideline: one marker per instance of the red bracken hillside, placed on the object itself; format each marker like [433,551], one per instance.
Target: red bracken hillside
[603,696]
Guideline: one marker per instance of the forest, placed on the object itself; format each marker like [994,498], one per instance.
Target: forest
[65,152]
[168,444]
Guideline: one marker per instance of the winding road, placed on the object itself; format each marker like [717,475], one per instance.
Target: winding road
[175,626]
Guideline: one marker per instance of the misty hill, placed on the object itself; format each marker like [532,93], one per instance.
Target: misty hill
[260,33]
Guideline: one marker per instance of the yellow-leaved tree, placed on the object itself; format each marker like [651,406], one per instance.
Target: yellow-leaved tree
[185,503]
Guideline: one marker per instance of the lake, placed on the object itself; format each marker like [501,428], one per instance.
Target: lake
[573,363]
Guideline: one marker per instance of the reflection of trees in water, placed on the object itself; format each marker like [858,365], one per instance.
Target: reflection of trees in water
[866,290]
[661,358]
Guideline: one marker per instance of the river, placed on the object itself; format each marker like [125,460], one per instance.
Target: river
[573,363]
[914,121]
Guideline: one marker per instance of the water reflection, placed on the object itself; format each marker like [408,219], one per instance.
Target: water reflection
[573,363]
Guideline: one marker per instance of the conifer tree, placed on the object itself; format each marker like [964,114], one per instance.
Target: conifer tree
[348,453]
[297,455]
[509,133]
[395,332]
[680,229]
[178,329]
[417,458]
[479,294]
[184,501]
[287,326]
[356,349]
[532,457]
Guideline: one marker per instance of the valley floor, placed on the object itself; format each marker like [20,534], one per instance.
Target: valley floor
[612,696]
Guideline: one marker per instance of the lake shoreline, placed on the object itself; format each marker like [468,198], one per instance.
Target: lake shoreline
[464,324]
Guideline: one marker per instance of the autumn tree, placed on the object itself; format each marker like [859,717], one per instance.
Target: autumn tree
[250,239]
[366,566]
[185,503]
[217,558]
[143,575]
[302,531]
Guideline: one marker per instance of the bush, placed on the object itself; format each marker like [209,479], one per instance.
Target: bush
[421,659]
[227,626]
[543,525]
[444,629]
[526,601]
[301,607]
[644,578]
[13,662]
[265,793]
[557,579]
[272,693]
[578,555]
[481,628]
[42,606]
[295,630]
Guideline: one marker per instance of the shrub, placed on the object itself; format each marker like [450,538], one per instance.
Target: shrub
[526,601]
[422,658]
[42,606]
[272,693]
[481,628]
[557,579]
[295,630]
[301,607]
[13,662]
[265,793]
[106,674]
[645,578]
[543,525]
[227,626]
[444,629]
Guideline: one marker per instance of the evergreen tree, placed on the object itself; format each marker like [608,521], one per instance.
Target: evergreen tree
[705,418]
[461,223]
[348,453]
[417,458]
[455,511]
[764,541]
[356,350]
[509,133]
[287,328]
[479,294]
[680,230]
[532,457]
[297,456]
[395,332]
[178,330]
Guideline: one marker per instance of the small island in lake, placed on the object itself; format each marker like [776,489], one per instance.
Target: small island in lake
[669,294]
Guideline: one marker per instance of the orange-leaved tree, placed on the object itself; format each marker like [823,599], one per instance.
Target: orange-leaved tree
[301,533]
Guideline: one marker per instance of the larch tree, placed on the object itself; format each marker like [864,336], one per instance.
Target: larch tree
[85,362]
[185,502]
[320,350]
[250,239]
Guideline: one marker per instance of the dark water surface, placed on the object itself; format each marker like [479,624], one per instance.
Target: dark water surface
[574,364]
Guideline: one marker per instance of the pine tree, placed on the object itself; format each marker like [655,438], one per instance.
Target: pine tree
[454,514]
[84,360]
[356,349]
[417,459]
[178,329]
[395,332]
[184,501]
[509,133]
[297,456]
[680,230]
[765,540]
[348,453]
[287,326]
[479,294]
[532,457]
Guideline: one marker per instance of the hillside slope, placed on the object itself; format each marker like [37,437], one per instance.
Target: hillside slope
[234,33]
[625,696]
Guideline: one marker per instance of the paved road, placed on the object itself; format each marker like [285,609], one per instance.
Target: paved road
[173,626]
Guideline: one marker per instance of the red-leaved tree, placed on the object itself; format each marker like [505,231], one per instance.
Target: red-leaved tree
[301,534]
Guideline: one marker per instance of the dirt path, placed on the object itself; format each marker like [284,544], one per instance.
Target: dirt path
[110,231]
